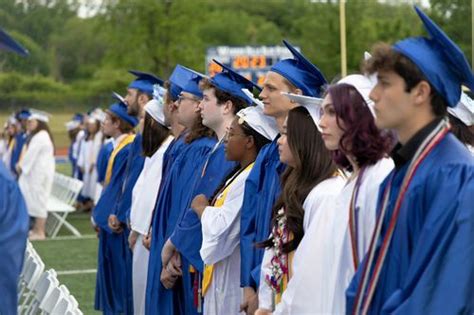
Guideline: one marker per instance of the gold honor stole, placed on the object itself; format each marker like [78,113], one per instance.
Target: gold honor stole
[209,269]
[12,145]
[127,140]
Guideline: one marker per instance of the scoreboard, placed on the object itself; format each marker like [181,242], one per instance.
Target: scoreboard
[250,61]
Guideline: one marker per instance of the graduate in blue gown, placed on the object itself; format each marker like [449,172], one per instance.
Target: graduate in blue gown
[20,139]
[175,194]
[262,187]
[139,92]
[13,221]
[421,258]
[113,285]
[75,134]
[103,159]
[222,99]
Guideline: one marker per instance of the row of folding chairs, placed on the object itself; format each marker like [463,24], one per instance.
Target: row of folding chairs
[39,291]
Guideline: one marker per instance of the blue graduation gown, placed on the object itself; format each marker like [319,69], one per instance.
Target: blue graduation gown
[429,267]
[13,233]
[71,159]
[174,198]
[187,236]
[262,188]
[114,284]
[135,163]
[20,140]
[103,159]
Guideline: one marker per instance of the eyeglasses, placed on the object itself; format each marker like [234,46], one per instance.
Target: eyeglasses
[182,98]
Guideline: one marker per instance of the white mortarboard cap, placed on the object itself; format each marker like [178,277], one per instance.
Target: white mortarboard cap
[12,120]
[255,100]
[155,107]
[97,115]
[312,104]
[363,85]
[464,111]
[264,125]
[367,55]
[39,115]
[71,125]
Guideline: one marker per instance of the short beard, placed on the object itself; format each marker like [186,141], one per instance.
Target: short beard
[133,109]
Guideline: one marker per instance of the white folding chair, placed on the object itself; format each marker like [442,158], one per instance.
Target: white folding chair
[51,301]
[32,274]
[47,282]
[61,203]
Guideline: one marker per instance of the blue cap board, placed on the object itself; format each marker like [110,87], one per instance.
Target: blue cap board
[187,80]
[144,81]
[9,44]
[78,117]
[120,110]
[300,72]
[23,114]
[231,82]
[439,59]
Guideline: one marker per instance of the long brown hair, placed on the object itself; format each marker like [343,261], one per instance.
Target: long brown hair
[154,134]
[198,130]
[41,126]
[313,164]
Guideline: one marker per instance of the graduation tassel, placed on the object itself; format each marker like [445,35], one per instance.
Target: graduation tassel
[199,295]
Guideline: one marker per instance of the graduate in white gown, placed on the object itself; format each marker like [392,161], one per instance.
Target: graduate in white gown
[155,141]
[461,119]
[36,168]
[87,159]
[348,128]
[290,277]
[220,218]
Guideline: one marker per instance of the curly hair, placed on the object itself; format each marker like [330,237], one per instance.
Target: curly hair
[361,138]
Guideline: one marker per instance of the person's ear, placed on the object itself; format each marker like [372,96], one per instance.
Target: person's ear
[227,107]
[298,91]
[250,143]
[421,93]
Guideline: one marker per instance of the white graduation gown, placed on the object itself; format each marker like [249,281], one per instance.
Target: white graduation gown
[306,292]
[343,265]
[87,160]
[143,200]
[37,173]
[220,247]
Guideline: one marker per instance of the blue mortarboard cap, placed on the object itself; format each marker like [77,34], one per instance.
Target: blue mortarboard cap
[144,81]
[120,110]
[440,59]
[300,72]
[179,74]
[78,117]
[174,91]
[8,43]
[187,80]
[23,114]
[231,82]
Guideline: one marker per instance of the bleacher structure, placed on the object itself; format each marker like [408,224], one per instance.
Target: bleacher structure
[39,291]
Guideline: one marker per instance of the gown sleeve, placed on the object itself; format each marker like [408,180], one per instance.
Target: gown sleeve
[444,252]
[220,226]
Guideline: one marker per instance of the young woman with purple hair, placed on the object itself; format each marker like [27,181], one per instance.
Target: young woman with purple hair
[361,149]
